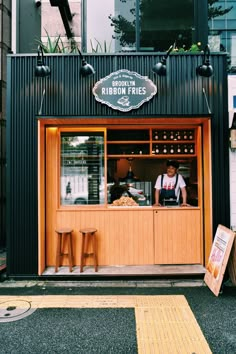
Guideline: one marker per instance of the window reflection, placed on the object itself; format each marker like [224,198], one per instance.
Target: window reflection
[138,25]
[82,168]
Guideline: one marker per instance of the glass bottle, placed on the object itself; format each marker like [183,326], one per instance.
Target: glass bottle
[178,136]
[164,136]
[190,135]
[172,150]
[185,149]
[191,149]
[185,135]
[156,136]
[172,135]
[179,150]
[157,150]
[164,149]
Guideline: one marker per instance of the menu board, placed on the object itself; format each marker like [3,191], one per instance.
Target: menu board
[218,258]
[82,167]
[232,263]
[93,163]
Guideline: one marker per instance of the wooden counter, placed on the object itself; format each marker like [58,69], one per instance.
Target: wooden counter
[133,235]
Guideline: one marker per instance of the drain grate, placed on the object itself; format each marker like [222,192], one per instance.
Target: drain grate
[14,310]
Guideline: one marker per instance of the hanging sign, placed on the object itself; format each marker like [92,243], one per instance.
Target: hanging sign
[218,258]
[124,90]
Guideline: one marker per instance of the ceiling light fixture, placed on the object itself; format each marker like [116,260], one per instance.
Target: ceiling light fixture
[205,70]
[160,68]
[86,69]
[41,70]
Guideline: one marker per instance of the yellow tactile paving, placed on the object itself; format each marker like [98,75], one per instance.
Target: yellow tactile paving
[165,323]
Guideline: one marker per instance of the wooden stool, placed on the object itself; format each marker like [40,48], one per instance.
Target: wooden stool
[90,233]
[67,232]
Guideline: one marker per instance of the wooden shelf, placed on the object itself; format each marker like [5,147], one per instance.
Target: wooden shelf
[130,148]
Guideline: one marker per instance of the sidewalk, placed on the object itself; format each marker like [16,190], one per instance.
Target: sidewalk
[163,317]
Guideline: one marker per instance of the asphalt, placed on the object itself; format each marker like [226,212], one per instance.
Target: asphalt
[110,330]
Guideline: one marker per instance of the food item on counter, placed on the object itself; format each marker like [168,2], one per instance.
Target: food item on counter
[124,201]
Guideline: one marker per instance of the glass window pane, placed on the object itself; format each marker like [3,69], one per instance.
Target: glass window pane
[164,22]
[160,24]
[82,168]
[110,25]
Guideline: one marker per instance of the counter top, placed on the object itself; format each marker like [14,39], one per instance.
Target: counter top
[134,208]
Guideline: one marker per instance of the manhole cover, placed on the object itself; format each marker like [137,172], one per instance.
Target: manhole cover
[14,310]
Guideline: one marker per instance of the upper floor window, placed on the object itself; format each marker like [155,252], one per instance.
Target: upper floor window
[137,25]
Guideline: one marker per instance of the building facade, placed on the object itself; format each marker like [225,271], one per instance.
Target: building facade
[49,115]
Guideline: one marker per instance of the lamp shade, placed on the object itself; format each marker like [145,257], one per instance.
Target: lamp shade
[41,70]
[160,68]
[86,69]
[206,69]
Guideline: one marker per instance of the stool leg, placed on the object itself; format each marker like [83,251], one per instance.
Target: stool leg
[70,254]
[82,254]
[95,253]
[58,255]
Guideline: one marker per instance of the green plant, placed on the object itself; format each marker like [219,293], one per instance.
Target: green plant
[195,47]
[99,48]
[57,45]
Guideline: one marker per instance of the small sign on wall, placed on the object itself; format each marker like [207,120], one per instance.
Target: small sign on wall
[218,258]
[124,90]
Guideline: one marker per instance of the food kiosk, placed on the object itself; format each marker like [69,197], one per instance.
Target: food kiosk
[109,132]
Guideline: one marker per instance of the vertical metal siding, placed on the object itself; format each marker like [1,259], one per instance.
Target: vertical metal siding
[66,94]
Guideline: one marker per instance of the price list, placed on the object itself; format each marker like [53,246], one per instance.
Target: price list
[94,165]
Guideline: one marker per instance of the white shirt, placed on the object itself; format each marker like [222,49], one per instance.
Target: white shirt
[169,183]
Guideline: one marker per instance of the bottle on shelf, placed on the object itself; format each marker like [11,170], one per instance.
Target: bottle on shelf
[191,149]
[190,134]
[157,150]
[185,135]
[179,150]
[164,135]
[185,149]
[164,149]
[178,135]
[172,150]
[155,135]
[171,136]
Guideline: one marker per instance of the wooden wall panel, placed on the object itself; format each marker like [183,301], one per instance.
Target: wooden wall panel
[124,237]
[41,200]
[178,236]
[51,192]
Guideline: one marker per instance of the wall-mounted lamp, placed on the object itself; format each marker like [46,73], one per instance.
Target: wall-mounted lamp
[41,70]
[205,69]
[160,68]
[86,69]
[232,133]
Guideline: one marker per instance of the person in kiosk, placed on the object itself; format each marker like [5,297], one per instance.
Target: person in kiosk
[169,185]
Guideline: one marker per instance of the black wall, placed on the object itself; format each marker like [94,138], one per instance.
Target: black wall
[180,93]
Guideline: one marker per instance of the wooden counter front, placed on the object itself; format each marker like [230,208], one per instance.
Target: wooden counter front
[178,236]
[134,236]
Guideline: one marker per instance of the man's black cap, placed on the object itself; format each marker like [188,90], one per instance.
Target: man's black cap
[173,163]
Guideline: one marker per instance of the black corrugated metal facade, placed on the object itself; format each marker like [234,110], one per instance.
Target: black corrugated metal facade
[67,94]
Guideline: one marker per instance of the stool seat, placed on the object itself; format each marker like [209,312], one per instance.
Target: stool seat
[65,230]
[88,230]
[89,234]
[67,233]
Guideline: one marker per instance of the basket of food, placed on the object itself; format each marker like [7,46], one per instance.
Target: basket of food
[124,201]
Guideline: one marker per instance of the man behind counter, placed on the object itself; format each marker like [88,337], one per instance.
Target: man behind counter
[169,185]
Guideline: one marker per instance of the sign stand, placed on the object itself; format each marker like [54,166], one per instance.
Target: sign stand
[218,258]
